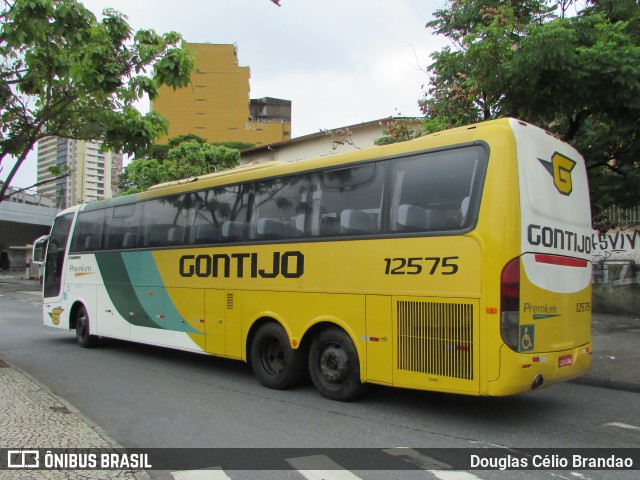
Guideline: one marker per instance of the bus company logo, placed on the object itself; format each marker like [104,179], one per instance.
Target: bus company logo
[560,169]
[80,270]
[55,315]
[23,459]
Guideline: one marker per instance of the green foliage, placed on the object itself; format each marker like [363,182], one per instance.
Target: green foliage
[65,73]
[185,159]
[160,151]
[578,77]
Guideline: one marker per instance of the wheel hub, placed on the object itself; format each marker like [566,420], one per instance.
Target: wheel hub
[334,364]
[273,357]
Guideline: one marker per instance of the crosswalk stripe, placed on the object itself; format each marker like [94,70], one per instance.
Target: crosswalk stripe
[416,458]
[329,470]
[622,425]
[200,475]
[453,475]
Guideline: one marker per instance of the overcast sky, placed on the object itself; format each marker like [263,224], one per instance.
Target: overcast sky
[340,62]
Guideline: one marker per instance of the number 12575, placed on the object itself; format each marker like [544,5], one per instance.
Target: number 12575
[418,265]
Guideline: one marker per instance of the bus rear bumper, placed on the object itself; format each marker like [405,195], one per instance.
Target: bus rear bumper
[523,372]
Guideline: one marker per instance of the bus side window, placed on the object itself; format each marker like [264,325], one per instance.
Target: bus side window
[165,221]
[87,234]
[280,208]
[434,191]
[122,224]
[348,201]
[219,214]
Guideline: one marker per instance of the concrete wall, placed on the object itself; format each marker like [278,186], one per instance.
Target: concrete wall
[616,271]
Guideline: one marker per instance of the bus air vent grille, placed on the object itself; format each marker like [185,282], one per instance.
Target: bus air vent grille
[229,301]
[436,338]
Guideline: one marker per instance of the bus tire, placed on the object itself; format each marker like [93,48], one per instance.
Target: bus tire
[83,330]
[334,366]
[275,364]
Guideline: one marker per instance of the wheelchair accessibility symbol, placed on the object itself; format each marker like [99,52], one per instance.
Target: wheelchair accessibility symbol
[527,338]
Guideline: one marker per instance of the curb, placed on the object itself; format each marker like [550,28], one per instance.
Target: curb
[70,409]
[607,384]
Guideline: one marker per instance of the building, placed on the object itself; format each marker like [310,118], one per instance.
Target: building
[326,142]
[93,173]
[23,218]
[217,105]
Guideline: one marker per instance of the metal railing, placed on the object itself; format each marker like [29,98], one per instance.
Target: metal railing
[624,216]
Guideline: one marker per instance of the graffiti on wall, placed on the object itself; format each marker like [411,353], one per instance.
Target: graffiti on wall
[616,258]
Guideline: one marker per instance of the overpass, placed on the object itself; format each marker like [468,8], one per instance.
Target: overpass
[23,218]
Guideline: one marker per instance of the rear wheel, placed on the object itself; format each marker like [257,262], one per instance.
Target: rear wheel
[83,330]
[275,364]
[334,366]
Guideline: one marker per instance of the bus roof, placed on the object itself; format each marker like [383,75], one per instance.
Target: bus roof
[250,172]
[250,167]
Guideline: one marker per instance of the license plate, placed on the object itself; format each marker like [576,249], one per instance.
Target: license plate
[565,361]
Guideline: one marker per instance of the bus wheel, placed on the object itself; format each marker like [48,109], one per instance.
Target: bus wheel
[83,334]
[275,364]
[334,366]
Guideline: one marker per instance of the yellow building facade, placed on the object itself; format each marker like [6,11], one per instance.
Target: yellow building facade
[217,104]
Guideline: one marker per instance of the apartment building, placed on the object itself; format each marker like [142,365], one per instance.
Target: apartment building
[217,104]
[93,174]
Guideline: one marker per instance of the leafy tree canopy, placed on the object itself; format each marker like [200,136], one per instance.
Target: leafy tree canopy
[577,76]
[185,159]
[160,151]
[66,74]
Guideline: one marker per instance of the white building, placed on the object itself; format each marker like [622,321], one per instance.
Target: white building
[327,142]
[93,172]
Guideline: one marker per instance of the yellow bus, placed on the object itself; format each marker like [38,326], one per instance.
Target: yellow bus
[457,262]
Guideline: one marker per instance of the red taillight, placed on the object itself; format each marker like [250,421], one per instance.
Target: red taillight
[510,286]
[510,303]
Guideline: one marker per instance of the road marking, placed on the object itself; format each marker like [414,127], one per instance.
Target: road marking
[414,457]
[200,475]
[330,470]
[626,426]
[453,475]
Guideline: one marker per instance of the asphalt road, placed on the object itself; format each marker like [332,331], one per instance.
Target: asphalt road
[152,397]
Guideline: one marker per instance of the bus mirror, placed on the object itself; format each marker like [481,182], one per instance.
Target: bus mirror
[40,250]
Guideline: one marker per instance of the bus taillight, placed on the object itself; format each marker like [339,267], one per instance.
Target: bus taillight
[510,303]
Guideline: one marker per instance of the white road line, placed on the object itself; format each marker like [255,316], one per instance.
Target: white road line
[330,470]
[626,426]
[200,475]
[414,457]
[453,475]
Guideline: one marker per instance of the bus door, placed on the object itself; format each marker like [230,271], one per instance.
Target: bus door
[54,271]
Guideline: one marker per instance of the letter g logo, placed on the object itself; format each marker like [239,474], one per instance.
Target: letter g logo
[560,168]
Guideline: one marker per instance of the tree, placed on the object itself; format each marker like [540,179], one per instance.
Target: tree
[160,151]
[190,158]
[578,77]
[66,74]
[399,130]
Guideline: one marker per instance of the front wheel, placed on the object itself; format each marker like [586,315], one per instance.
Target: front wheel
[83,332]
[275,364]
[334,366]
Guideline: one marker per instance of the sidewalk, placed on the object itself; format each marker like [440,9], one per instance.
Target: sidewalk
[32,416]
